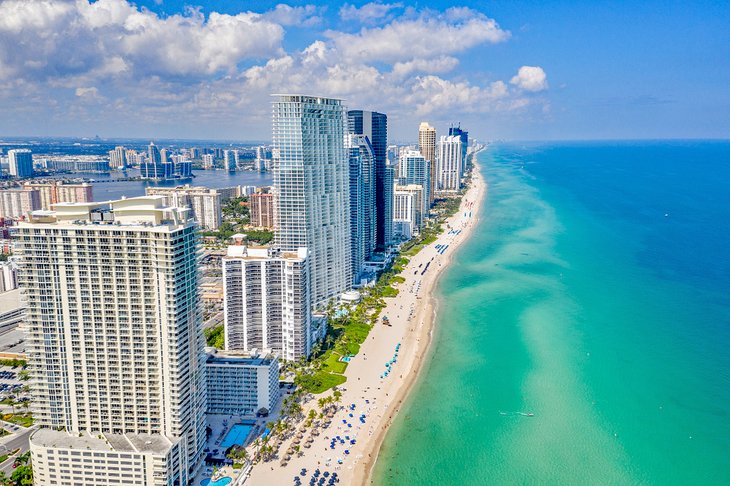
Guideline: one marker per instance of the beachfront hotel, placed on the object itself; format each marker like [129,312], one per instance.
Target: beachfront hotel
[115,344]
[312,193]
[266,303]
[408,210]
[242,384]
[450,163]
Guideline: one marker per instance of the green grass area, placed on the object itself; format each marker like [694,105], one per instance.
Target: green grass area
[319,381]
[26,420]
[397,279]
[333,364]
[4,458]
[215,337]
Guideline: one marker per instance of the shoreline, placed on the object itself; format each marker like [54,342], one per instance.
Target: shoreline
[371,398]
[363,475]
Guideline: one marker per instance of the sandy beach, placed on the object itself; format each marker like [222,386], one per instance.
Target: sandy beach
[381,375]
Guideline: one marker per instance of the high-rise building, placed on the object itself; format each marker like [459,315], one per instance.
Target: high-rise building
[311,189]
[114,342]
[17,203]
[464,136]
[450,163]
[427,146]
[118,158]
[407,206]
[261,208]
[208,161]
[413,168]
[205,203]
[363,209]
[59,192]
[20,162]
[230,159]
[266,300]
[374,126]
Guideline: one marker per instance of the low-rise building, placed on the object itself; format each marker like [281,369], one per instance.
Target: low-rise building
[241,383]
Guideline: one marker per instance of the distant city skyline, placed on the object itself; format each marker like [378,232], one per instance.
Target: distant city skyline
[170,69]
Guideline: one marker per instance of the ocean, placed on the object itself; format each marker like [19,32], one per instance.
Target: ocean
[595,295]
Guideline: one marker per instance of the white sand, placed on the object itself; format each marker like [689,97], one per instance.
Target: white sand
[364,373]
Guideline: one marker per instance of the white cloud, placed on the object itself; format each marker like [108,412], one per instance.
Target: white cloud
[305,16]
[530,78]
[55,39]
[112,62]
[428,36]
[369,12]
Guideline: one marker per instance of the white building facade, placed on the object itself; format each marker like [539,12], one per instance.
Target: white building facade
[450,164]
[311,188]
[204,202]
[18,203]
[242,385]
[267,303]
[114,341]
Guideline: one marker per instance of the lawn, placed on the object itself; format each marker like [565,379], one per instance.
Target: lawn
[320,381]
[333,364]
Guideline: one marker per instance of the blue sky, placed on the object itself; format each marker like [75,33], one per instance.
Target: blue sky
[514,70]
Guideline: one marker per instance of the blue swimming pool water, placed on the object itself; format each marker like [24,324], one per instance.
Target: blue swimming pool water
[236,436]
[219,482]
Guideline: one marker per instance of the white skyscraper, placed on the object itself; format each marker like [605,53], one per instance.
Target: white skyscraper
[205,202]
[311,188]
[114,343]
[450,164]
[21,162]
[266,300]
[414,168]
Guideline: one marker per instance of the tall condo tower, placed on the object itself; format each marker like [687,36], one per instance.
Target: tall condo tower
[413,168]
[20,162]
[450,163]
[311,189]
[374,126]
[427,146]
[464,136]
[266,303]
[362,202]
[115,343]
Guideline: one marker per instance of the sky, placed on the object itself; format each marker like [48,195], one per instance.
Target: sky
[531,70]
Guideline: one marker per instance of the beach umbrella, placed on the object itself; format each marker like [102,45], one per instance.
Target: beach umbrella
[290,450]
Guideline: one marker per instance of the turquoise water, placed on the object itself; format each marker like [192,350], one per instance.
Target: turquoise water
[218,482]
[236,436]
[595,294]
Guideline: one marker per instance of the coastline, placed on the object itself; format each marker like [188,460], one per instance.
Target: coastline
[374,394]
[476,194]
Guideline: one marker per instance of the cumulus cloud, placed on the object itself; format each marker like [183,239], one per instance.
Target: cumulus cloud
[55,38]
[530,78]
[369,12]
[430,35]
[304,16]
[113,59]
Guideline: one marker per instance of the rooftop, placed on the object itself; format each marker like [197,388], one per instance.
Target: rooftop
[154,443]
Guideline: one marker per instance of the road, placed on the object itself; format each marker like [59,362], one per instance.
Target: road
[215,320]
[8,443]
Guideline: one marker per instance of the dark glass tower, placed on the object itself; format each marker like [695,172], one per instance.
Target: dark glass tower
[464,135]
[374,126]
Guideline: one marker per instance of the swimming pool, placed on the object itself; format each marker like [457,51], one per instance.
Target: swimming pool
[218,482]
[236,436]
